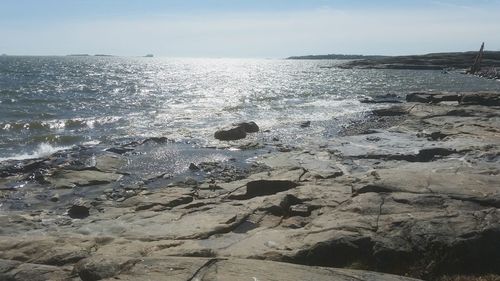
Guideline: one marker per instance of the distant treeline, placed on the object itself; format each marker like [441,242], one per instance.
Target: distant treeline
[333,57]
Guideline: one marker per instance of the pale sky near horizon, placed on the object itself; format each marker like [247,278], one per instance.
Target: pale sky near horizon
[246,28]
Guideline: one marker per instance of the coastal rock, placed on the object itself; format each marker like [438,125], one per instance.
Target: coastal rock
[16,271]
[387,98]
[159,200]
[193,167]
[205,269]
[434,61]
[101,267]
[418,198]
[486,99]
[433,97]
[235,133]
[481,98]
[391,111]
[71,178]
[119,150]
[109,163]
[238,131]
[249,127]
[305,124]
[419,97]
[250,146]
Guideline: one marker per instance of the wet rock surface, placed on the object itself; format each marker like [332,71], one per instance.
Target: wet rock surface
[237,131]
[387,98]
[417,196]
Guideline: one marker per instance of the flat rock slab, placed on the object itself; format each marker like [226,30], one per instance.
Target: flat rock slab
[110,162]
[445,178]
[17,271]
[201,269]
[71,178]
[170,198]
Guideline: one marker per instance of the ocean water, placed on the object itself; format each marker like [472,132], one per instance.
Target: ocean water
[53,103]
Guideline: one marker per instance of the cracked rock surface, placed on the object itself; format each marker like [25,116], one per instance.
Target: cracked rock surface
[420,199]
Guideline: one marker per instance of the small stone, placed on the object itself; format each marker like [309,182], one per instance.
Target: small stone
[193,167]
[305,124]
[373,139]
[54,198]
[300,210]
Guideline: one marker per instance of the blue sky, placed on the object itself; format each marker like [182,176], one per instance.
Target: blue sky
[246,28]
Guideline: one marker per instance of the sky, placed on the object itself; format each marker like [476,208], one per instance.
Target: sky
[246,28]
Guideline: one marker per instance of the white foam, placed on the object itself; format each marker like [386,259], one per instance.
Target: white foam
[43,150]
[92,142]
[56,124]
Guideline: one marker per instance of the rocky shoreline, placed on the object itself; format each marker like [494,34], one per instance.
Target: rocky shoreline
[413,191]
[435,61]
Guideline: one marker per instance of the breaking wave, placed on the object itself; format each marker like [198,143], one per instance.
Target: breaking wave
[43,150]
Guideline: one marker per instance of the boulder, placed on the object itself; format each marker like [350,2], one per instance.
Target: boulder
[193,167]
[235,133]
[249,127]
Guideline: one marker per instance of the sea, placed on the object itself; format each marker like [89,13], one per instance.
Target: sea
[49,104]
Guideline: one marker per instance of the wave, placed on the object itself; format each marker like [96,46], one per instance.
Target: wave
[76,123]
[43,150]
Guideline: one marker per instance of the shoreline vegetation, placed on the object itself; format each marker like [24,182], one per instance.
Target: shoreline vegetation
[413,191]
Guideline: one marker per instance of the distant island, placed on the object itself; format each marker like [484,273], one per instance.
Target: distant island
[149,56]
[333,57]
